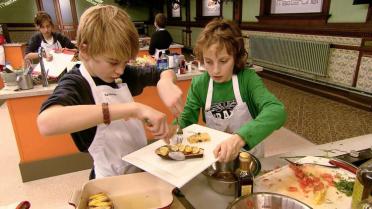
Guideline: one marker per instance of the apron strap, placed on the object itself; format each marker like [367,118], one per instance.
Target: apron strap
[209,95]
[238,97]
[97,97]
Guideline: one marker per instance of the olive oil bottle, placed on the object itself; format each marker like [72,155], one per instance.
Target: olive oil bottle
[363,185]
[244,185]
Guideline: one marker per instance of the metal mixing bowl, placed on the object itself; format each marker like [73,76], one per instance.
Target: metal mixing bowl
[221,177]
[266,200]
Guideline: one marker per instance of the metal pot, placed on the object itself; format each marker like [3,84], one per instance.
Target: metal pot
[221,176]
[24,81]
[266,200]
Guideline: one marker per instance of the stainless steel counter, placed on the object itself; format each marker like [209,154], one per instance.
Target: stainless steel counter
[9,92]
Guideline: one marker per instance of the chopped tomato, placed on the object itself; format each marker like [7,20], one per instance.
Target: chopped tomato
[318,187]
[328,178]
[292,189]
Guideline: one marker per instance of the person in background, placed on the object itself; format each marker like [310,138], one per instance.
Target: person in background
[100,113]
[232,97]
[46,38]
[161,39]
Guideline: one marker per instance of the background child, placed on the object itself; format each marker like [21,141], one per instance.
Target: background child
[232,97]
[161,39]
[100,114]
[46,38]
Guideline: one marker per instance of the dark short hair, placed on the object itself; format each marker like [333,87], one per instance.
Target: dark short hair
[160,20]
[226,34]
[42,16]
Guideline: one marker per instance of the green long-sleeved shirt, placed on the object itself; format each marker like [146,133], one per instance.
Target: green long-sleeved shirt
[267,111]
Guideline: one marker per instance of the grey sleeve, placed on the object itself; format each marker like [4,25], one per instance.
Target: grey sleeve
[33,44]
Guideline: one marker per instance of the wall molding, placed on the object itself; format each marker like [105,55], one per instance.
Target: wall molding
[333,29]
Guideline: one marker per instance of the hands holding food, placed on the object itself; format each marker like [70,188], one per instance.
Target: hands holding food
[155,121]
[229,149]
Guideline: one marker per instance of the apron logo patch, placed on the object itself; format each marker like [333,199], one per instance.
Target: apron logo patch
[110,94]
[223,110]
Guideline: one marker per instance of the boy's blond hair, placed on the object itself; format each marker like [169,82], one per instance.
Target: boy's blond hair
[226,34]
[107,31]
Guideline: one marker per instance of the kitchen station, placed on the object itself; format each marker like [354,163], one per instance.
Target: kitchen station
[186,104]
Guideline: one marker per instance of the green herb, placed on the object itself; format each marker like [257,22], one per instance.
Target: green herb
[345,186]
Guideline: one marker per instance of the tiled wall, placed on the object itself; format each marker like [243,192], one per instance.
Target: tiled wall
[342,63]
[365,74]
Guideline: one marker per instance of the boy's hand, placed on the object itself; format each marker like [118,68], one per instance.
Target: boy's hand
[229,149]
[48,57]
[171,95]
[171,133]
[155,121]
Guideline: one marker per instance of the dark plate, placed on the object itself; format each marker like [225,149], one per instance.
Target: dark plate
[187,155]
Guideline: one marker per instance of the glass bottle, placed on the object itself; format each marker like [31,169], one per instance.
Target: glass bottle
[365,204]
[363,185]
[244,185]
[162,62]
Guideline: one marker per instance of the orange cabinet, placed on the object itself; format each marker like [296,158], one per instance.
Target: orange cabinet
[14,54]
[34,148]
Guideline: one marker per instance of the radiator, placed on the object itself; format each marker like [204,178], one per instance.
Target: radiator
[296,55]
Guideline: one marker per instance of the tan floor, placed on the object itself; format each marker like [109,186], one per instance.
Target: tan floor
[46,193]
[55,192]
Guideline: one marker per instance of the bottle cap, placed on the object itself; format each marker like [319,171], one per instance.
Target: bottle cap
[244,155]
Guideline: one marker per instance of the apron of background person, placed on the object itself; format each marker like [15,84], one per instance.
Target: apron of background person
[157,51]
[239,116]
[117,139]
[49,47]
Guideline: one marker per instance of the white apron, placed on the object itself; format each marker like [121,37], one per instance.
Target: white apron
[49,47]
[117,139]
[239,116]
[157,53]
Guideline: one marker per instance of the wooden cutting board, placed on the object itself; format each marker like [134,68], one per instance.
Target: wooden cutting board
[280,180]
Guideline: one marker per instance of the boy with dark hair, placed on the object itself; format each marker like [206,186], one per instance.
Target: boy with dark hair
[46,38]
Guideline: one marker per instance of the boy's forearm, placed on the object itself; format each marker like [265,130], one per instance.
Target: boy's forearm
[69,119]
[169,74]
[32,56]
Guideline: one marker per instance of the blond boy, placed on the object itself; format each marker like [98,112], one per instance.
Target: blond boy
[100,114]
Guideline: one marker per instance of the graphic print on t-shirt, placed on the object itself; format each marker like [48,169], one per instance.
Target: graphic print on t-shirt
[223,110]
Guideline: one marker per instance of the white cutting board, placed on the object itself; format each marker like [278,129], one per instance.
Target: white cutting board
[178,173]
[278,181]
